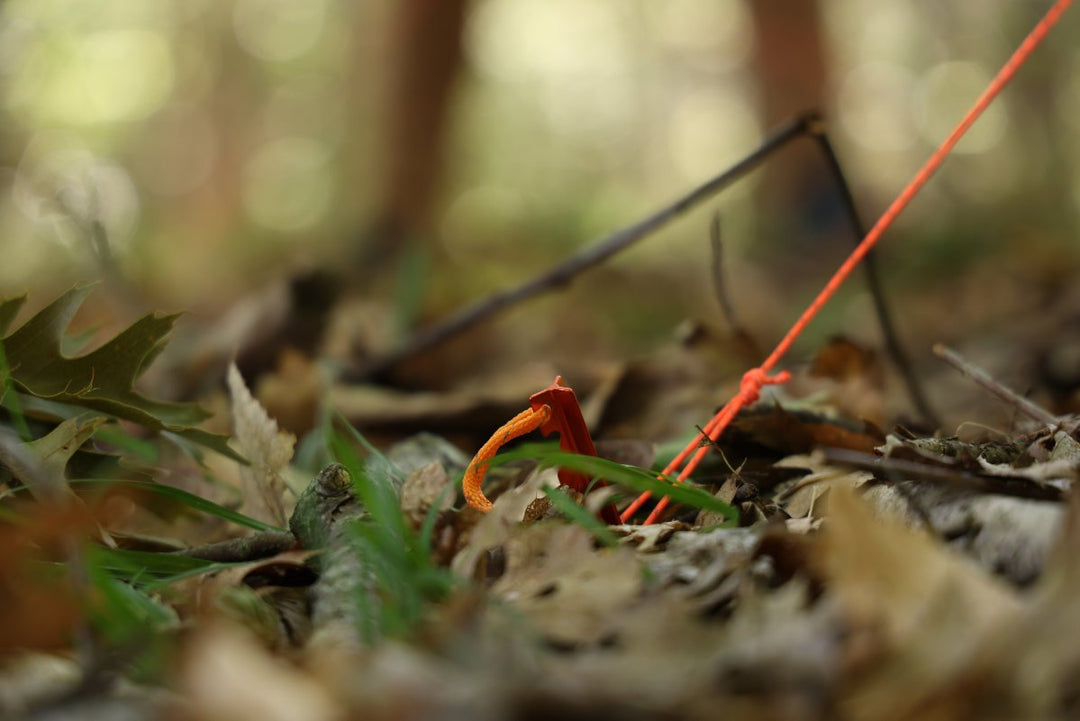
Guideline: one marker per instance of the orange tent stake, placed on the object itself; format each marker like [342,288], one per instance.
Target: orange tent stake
[553,410]
[567,421]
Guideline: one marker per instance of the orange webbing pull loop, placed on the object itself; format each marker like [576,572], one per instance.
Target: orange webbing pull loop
[524,422]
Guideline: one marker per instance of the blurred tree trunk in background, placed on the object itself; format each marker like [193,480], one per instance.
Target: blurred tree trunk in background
[426,52]
[791,70]
[790,59]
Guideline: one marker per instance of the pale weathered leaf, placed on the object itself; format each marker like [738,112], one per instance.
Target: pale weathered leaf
[916,613]
[424,488]
[267,448]
[227,674]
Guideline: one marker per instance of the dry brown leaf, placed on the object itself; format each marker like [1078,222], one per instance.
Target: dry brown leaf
[490,402]
[793,429]
[570,593]
[804,498]
[495,527]
[269,610]
[652,538]
[33,679]
[266,447]
[916,612]
[227,674]
[888,572]
[426,486]
[1033,662]
[291,394]
[851,375]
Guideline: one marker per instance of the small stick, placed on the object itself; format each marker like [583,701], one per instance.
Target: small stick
[873,280]
[245,548]
[897,468]
[716,244]
[91,226]
[589,257]
[994,387]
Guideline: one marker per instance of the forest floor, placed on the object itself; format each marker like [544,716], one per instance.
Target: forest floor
[843,557]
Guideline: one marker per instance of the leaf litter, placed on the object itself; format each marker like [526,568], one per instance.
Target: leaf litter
[814,567]
[905,579]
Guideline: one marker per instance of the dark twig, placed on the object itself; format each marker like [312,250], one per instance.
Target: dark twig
[873,280]
[806,124]
[744,338]
[245,548]
[89,223]
[716,245]
[589,257]
[896,468]
[993,386]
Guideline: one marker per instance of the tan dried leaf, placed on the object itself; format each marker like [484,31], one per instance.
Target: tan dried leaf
[426,486]
[228,674]
[494,528]
[917,613]
[570,592]
[802,498]
[266,447]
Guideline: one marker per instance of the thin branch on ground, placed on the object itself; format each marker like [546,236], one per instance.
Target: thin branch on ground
[589,257]
[873,280]
[720,289]
[993,386]
[809,123]
[244,548]
[899,468]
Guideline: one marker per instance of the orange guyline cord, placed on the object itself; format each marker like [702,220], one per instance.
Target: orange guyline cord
[755,378]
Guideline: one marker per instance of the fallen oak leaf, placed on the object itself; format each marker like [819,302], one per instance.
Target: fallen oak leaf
[914,610]
[428,487]
[571,593]
[267,448]
[101,380]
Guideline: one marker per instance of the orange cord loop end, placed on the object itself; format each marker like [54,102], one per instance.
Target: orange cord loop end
[524,422]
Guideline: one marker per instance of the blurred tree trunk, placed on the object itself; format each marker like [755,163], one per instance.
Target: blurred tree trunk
[792,75]
[790,61]
[426,52]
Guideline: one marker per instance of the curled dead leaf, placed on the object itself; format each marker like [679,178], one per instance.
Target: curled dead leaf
[267,448]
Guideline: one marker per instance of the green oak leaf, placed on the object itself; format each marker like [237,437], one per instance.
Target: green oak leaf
[102,379]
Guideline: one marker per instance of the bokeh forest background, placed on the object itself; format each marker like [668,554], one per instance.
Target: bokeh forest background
[313,181]
[430,155]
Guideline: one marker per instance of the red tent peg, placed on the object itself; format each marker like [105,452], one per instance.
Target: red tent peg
[566,420]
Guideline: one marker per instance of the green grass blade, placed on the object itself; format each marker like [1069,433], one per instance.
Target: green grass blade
[638,480]
[373,483]
[152,570]
[115,436]
[575,513]
[377,463]
[190,500]
[427,528]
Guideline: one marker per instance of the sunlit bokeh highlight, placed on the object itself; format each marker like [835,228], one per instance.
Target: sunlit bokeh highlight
[278,30]
[198,129]
[289,184]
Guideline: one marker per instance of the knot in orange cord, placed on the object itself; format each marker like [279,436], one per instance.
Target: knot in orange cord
[755,379]
[519,425]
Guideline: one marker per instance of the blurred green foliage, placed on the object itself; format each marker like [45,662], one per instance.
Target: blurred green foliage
[217,142]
